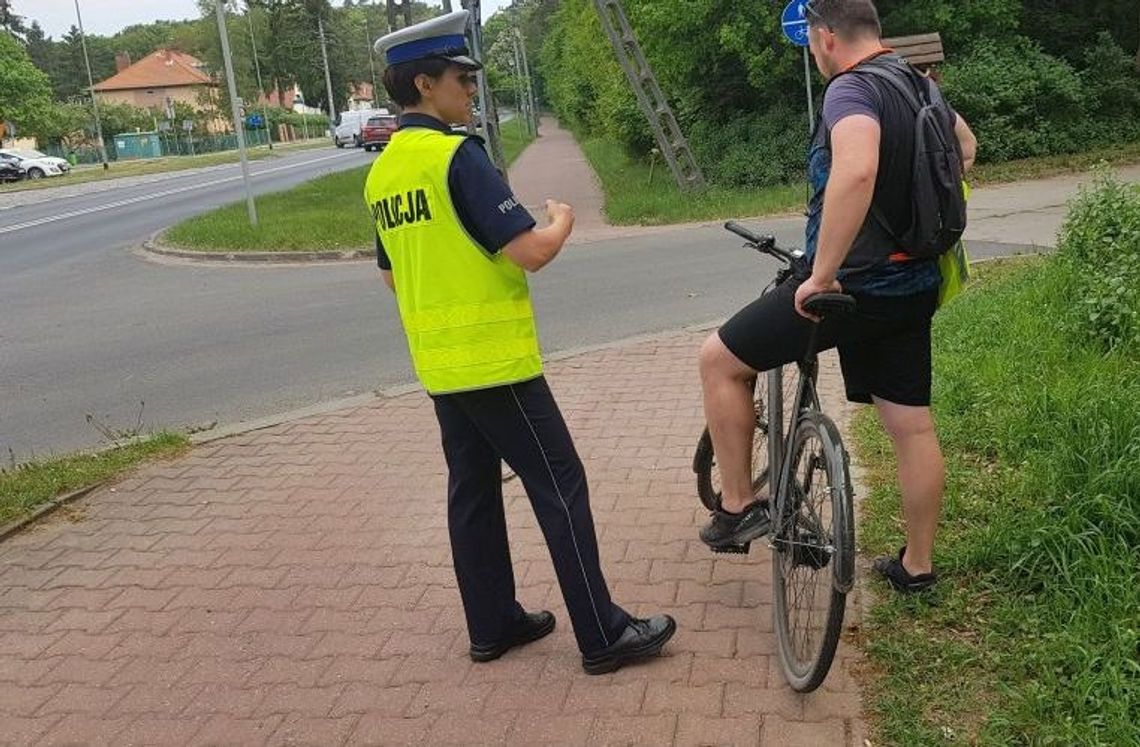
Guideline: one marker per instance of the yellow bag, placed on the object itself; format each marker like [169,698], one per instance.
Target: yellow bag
[954,266]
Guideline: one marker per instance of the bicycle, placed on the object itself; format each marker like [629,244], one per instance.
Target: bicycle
[812,512]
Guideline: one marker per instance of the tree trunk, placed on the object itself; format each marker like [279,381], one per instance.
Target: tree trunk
[1138,55]
[391,10]
[407,12]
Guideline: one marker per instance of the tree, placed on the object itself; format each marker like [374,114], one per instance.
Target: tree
[25,91]
[11,22]
[69,76]
[41,49]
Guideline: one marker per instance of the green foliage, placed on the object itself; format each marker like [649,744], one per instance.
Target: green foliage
[640,190]
[737,85]
[25,92]
[1033,637]
[1021,101]
[1100,242]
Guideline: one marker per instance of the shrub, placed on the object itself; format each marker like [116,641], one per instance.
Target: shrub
[1101,242]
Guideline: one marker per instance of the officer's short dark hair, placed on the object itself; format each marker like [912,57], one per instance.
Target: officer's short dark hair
[850,19]
[400,80]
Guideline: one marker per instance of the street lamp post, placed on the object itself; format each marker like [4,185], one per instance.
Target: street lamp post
[328,77]
[257,69]
[91,87]
[238,129]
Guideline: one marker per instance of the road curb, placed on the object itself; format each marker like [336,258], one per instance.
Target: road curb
[18,525]
[154,245]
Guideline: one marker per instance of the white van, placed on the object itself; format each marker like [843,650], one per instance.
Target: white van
[348,131]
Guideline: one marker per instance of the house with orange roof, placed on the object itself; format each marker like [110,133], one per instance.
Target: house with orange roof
[164,74]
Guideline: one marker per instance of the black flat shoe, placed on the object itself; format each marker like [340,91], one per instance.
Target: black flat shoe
[534,625]
[641,639]
[899,579]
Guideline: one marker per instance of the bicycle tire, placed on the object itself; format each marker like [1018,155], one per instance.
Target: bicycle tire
[804,539]
[704,464]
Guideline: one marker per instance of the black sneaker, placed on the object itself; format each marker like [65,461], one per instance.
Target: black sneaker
[531,627]
[729,531]
[641,639]
[899,579]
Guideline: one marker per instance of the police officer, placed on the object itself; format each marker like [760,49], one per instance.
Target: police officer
[453,244]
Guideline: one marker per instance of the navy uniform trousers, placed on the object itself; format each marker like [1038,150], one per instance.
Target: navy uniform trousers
[522,425]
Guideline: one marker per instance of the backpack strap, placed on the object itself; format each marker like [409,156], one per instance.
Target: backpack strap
[901,77]
[910,93]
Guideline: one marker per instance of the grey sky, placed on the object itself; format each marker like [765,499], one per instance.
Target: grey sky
[105,17]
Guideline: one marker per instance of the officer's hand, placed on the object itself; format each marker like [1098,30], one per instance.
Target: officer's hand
[559,210]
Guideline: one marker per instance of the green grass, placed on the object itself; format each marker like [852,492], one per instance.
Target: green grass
[515,138]
[1033,634]
[120,169]
[634,196]
[326,214]
[28,486]
[1044,166]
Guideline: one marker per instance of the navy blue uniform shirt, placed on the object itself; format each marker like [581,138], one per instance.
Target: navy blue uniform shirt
[485,204]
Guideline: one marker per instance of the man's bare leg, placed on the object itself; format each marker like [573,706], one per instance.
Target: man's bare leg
[922,477]
[727,385]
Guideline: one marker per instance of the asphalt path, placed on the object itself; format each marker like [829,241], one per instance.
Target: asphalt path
[95,337]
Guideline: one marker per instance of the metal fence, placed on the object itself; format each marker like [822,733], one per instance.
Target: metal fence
[173,144]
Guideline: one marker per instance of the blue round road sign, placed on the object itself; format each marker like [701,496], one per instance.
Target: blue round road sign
[794,22]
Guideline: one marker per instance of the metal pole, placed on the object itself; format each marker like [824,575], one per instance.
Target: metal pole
[371,61]
[532,107]
[234,111]
[520,105]
[91,88]
[328,78]
[486,104]
[807,82]
[257,69]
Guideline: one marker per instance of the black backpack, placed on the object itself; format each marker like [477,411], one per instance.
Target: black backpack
[938,206]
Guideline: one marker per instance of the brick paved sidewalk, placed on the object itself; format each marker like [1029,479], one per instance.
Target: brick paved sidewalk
[293,586]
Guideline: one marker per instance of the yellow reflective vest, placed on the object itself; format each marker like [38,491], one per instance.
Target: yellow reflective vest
[466,313]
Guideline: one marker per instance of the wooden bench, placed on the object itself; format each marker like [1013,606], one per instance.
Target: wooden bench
[920,50]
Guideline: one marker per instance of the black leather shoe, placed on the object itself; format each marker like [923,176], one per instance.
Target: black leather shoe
[531,627]
[737,530]
[641,639]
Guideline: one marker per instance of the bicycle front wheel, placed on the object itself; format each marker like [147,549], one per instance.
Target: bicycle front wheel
[813,552]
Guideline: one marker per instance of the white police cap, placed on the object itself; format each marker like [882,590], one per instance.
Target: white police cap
[443,37]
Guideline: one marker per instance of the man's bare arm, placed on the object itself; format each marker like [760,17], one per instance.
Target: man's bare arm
[388,280]
[966,141]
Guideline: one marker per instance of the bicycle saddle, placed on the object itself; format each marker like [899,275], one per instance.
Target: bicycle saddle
[825,304]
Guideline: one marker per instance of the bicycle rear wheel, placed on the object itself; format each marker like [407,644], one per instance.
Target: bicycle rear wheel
[704,459]
[813,553]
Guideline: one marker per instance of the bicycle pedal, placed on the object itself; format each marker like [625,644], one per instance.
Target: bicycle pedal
[733,549]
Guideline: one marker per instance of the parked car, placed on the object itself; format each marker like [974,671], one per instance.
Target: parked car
[10,169]
[37,164]
[377,131]
[351,122]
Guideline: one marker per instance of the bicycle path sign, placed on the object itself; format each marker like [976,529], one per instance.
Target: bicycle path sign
[794,22]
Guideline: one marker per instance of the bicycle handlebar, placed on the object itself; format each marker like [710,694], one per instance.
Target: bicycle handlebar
[764,244]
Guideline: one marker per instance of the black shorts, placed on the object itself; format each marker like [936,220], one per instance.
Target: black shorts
[884,346]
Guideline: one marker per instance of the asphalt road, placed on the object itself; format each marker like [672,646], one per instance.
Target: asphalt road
[89,327]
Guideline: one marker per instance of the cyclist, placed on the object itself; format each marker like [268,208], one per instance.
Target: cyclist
[860,155]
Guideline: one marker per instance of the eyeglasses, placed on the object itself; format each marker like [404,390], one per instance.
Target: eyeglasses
[813,12]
